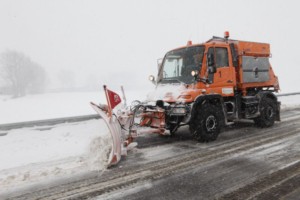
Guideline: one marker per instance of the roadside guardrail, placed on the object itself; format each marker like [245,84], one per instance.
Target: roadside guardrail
[47,122]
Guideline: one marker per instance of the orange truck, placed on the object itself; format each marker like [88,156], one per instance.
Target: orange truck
[204,86]
[225,80]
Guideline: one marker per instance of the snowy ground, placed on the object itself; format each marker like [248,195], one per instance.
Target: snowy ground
[38,154]
[32,155]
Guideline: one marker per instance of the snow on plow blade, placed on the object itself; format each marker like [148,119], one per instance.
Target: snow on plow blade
[116,134]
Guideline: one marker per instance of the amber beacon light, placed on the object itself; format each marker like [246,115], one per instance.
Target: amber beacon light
[226,34]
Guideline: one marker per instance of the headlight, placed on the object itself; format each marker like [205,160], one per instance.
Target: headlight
[151,78]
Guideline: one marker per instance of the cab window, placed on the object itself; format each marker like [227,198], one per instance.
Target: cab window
[220,55]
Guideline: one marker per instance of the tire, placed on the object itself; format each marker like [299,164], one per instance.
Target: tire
[206,125]
[267,113]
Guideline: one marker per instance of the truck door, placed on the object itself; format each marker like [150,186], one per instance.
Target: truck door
[223,80]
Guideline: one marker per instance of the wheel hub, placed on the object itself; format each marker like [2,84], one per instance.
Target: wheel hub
[269,112]
[211,123]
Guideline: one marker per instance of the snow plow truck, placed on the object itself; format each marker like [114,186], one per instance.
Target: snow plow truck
[203,86]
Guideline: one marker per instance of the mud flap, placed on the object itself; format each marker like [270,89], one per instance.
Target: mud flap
[278,111]
[116,134]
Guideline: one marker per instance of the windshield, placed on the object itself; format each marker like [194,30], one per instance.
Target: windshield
[179,64]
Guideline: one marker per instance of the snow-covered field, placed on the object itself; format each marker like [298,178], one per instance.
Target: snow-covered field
[39,154]
[290,102]
[55,105]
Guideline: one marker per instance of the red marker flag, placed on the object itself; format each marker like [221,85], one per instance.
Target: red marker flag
[113,99]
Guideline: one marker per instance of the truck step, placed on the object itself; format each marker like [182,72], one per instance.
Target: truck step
[229,123]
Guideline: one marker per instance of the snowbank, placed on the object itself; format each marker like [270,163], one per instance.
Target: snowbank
[32,155]
[35,155]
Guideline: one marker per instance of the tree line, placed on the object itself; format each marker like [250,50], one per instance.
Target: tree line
[20,75]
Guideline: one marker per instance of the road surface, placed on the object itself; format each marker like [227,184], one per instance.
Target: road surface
[246,162]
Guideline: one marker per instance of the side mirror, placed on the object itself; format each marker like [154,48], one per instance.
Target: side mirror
[152,79]
[212,69]
[211,64]
[210,60]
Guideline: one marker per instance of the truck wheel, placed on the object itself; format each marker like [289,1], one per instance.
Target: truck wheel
[267,113]
[205,126]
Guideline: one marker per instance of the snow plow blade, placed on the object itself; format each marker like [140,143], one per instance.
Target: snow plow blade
[114,127]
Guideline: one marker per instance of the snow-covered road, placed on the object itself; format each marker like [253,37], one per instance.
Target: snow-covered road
[242,154]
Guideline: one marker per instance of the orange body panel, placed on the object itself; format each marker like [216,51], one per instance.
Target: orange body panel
[253,48]
[154,119]
[228,79]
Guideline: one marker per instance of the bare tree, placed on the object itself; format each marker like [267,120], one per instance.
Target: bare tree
[21,74]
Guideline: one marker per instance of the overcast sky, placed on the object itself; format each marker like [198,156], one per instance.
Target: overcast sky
[119,42]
